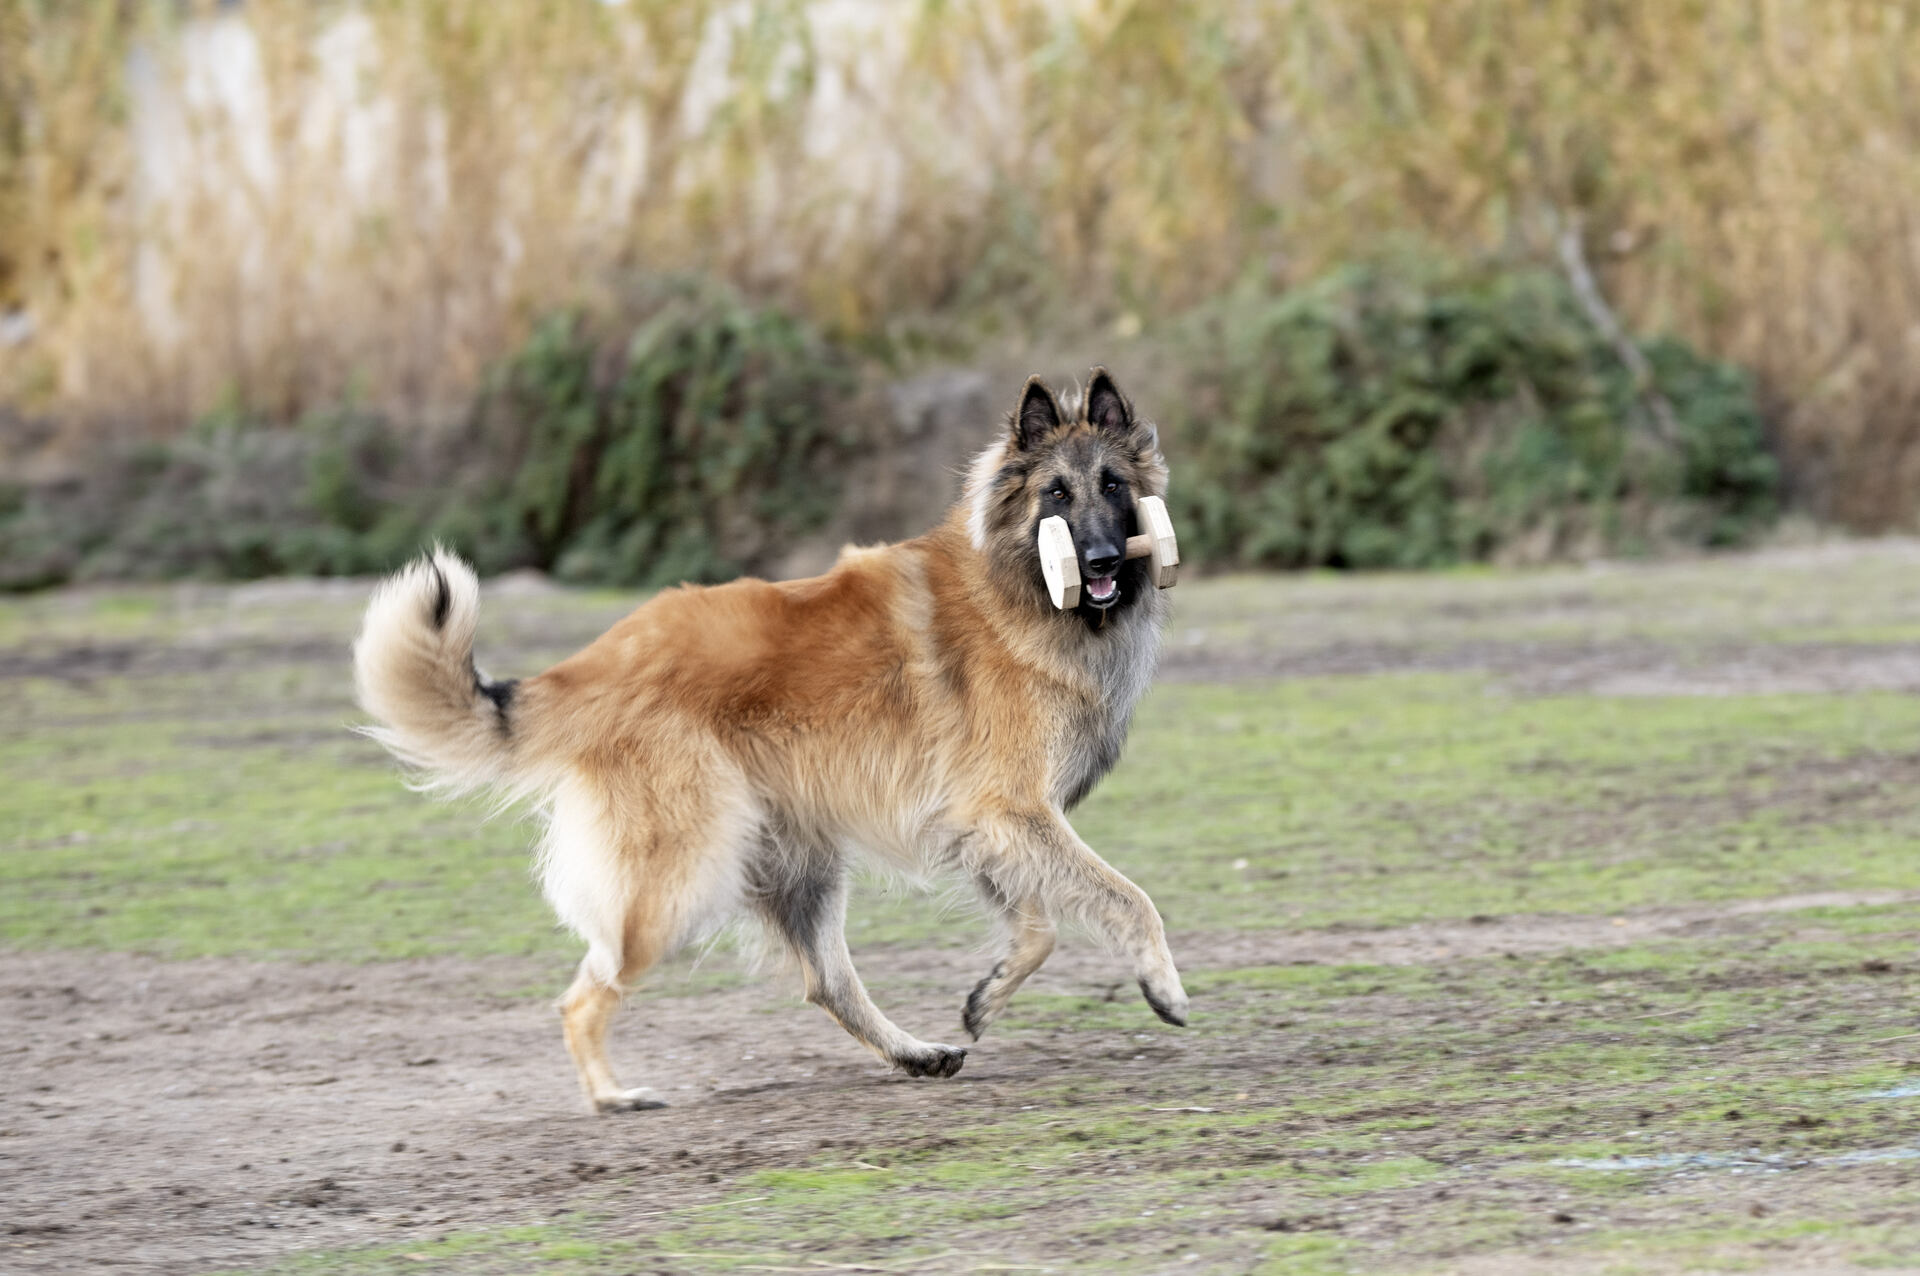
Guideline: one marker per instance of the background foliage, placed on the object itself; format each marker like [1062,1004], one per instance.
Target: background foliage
[265,212]
[1380,417]
[680,447]
[682,434]
[1411,417]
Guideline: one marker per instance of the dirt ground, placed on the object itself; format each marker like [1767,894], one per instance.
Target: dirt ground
[176,1116]
[1631,668]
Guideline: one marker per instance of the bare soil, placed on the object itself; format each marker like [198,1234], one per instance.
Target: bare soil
[1637,667]
[175,1116]
[1603,668]
[179,1116]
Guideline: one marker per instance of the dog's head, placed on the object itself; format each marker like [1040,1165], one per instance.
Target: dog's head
[1085,459]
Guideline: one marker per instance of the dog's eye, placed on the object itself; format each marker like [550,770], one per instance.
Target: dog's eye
[1113,485]
[1059,493]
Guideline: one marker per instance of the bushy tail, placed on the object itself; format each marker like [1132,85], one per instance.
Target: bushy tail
[413,671]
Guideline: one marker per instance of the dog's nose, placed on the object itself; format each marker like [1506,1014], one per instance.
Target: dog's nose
[1102,559]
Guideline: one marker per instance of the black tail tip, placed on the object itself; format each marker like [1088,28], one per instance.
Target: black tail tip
[442,595]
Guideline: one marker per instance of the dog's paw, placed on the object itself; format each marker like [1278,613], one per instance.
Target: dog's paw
[639,1099]
[931,1059]
[1170,1005]
[979,1010]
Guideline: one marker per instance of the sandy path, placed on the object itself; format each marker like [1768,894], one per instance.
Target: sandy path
[171,1116]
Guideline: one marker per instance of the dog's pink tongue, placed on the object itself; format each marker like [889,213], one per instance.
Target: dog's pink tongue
[1100,586]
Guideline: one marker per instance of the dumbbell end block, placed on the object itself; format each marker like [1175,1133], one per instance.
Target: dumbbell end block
[1156,542]
[1059,563]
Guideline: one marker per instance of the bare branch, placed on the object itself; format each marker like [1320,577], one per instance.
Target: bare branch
[1573,259]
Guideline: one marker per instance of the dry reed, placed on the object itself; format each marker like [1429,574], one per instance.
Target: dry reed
[279,207]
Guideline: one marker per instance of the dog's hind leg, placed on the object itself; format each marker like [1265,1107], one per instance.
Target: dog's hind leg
[589,1003]
[584,1013]
[804,900]
[631,867]
[1029,943]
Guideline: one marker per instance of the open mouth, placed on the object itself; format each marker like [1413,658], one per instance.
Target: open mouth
[1103,591]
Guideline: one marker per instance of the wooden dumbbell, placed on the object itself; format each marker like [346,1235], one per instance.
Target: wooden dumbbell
[1060,564]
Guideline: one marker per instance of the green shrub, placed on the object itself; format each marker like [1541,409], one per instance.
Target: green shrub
[689,437]
[682,434]
[1377,418]
[1418,416]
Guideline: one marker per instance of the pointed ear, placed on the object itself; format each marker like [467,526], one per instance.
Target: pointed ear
[1037,416]
[1107,408]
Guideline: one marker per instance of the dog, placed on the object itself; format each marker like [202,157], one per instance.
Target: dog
[726,749]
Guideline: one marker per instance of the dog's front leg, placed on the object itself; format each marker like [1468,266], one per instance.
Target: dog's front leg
[1029,943]
[1039,856]
[807,906]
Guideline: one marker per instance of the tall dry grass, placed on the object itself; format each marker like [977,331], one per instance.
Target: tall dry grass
[276,207]
[1746,174]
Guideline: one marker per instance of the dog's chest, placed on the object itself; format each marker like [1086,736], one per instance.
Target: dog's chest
[1093,730]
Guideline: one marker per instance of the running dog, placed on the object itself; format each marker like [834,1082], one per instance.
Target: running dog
[728,748]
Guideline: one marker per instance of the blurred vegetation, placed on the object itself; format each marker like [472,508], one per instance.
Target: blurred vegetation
[683,435]
[376,204]
[1410,417]
[1406,417]
[683,447]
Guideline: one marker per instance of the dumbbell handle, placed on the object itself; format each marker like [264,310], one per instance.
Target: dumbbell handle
[1060,566]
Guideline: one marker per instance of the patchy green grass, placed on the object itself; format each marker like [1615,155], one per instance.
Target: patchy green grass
[1858,593]
[180,780]
[188,833]
[233,812]
[1702,1103]
[1398,798]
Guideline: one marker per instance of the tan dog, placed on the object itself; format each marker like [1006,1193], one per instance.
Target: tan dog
[728,747]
